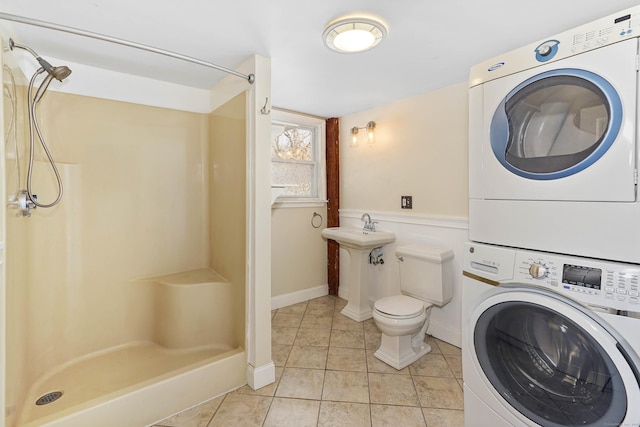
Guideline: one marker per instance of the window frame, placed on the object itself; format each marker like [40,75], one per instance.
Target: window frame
[319,151]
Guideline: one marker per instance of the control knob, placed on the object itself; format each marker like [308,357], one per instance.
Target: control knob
[538,271]
[544,50]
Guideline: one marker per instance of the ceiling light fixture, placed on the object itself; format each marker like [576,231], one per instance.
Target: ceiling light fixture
[350,35]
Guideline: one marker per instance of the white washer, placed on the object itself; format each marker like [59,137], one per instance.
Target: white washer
[553,143]
[549,340]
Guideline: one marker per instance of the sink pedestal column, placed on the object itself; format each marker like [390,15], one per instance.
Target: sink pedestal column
[358,307]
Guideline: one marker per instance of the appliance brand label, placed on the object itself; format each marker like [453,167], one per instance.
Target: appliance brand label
[496,66]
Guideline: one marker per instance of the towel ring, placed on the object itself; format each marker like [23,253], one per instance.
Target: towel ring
[313,220]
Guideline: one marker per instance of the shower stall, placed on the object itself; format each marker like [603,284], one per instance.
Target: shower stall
[133,297]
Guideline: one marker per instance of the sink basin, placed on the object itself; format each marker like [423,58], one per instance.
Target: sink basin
[358,238]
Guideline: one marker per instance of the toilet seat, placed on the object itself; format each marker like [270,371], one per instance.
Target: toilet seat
[399,307]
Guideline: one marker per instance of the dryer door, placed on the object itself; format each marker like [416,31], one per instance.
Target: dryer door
[551,361]
[556,124]
[561,131]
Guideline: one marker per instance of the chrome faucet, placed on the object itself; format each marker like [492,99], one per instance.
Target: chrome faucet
[368,224]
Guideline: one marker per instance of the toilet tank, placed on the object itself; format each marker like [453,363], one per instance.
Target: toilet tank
[426,273]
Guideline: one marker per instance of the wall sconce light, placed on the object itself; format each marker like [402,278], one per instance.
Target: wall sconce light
[371,137]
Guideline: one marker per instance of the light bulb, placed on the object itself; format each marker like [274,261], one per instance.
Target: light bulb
[354,136]
[354,40]
[371,126]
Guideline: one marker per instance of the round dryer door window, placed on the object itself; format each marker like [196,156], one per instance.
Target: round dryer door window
[556,124]
[548,367]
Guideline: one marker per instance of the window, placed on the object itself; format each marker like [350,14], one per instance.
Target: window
[298,158]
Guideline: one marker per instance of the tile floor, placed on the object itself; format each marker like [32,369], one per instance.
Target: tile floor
[326,375]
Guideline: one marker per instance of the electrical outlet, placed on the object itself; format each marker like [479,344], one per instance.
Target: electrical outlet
[406,202]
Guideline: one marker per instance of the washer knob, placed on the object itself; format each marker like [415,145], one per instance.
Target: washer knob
[537,271]
[544,50]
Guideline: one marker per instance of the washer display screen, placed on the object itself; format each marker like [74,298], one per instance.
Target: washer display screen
[582,276]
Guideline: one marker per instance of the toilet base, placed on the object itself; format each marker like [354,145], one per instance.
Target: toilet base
[398,352]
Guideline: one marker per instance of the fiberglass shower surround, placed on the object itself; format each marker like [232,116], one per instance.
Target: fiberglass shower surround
[169,315]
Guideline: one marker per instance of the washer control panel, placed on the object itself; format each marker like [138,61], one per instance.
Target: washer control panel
[602,283]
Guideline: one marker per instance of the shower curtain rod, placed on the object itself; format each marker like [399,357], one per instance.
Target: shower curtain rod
[35,22]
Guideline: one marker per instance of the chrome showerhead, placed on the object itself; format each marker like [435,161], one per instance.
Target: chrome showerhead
[60,73]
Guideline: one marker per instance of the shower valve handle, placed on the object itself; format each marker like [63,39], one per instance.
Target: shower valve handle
[23,202]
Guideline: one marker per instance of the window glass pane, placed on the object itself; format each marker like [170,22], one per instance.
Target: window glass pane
[555,123]
[293,159]
[302,175]
[295,143]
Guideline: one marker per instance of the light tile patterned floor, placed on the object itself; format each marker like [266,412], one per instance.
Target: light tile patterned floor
[326,375]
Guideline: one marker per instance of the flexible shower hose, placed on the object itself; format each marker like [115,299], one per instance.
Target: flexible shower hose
[34,128]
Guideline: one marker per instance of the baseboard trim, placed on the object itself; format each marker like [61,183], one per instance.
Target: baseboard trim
[445,333]
[285,300]
[261,376]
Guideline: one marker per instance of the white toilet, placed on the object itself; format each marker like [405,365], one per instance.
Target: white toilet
[426,279]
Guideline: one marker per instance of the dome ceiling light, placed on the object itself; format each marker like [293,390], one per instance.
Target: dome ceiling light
[350,35]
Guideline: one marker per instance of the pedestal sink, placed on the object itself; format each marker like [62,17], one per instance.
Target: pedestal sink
[359,244]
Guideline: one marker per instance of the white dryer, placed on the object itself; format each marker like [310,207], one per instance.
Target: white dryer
[549,340]
[553,143]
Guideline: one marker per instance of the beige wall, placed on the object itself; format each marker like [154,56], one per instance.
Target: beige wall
[299,253]
[227,201]
[420,151]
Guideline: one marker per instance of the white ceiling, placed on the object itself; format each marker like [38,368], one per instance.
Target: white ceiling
[430,44]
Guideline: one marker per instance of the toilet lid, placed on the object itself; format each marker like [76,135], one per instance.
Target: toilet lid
[400,305]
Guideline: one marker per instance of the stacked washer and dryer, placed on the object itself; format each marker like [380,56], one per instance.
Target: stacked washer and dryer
[551,286]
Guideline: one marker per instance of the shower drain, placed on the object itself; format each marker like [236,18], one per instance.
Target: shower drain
[49,398]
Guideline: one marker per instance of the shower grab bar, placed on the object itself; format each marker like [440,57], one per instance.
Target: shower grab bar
[44,24]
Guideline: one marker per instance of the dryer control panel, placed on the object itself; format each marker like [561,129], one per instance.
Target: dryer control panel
[605,31]
[590,281]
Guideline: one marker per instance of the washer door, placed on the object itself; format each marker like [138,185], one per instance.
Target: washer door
[553,362]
